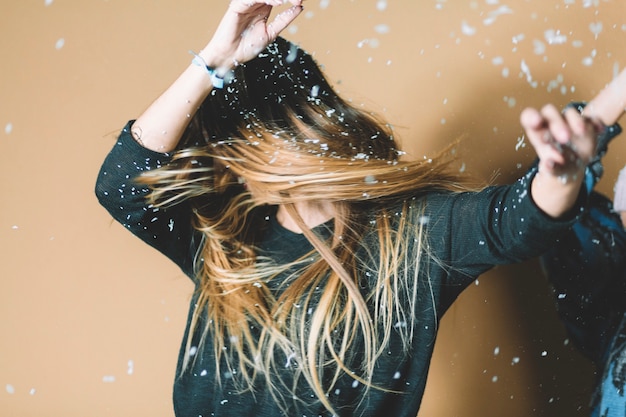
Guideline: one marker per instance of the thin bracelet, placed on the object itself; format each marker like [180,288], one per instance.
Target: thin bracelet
[216,80]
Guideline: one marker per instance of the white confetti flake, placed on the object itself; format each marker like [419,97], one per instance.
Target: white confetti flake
[131,367]
[10,389]
[539,48]
[370,179]
[526,71]
[381,5]
[510,101]
[48,2]
[108,379]
[382,28]
[596,28]
[554,37]
[588,61]
[467,29]
[8,128]
[518,38]
[60,43]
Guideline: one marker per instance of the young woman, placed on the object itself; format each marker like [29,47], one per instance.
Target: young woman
[322,261]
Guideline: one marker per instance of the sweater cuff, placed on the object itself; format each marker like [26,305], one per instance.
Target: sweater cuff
[619,202]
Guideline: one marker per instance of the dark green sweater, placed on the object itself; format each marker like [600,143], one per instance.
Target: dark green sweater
[467,234]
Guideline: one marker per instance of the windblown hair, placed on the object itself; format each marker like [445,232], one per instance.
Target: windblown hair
[279,127]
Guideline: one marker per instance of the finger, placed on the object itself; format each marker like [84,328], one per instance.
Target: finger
[282,20]
[531,119]
[549,151]
[583,141]
[536,127]
[577,123]
[556,123]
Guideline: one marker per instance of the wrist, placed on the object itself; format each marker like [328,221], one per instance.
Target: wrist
[555,195]
[216,80]
[220,62]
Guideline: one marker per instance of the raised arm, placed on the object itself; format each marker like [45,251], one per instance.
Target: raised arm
[609,105]
[243,32]
[565,143]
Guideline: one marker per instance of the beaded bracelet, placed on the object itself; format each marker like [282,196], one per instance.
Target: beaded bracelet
[216,80]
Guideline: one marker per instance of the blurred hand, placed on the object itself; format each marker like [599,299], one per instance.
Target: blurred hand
[245,30]
[564,142]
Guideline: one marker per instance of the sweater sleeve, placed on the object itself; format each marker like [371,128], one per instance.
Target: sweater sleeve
[168,230]
[498,225]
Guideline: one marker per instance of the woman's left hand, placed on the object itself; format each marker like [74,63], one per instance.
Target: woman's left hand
[564,142]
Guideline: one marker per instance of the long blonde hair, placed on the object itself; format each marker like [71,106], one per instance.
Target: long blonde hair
[281,128]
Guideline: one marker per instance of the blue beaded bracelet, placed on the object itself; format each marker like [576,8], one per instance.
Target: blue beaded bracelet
[216,80]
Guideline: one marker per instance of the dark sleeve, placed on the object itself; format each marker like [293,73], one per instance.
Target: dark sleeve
[498,225]
[168,230]
[587,269]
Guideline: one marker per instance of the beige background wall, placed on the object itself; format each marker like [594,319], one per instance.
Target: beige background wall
[91,319]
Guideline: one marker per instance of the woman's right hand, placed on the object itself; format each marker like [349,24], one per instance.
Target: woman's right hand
[241,35]
[245,31]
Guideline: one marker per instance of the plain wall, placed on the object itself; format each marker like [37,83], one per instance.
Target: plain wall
[91,319]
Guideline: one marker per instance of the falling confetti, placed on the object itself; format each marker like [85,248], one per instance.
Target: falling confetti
[467,29]
[596,28]
[554,37]
[382,28]
[60,43]
[8,128]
